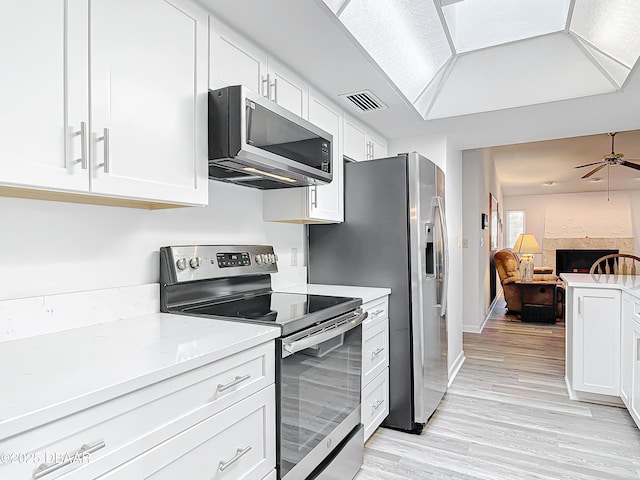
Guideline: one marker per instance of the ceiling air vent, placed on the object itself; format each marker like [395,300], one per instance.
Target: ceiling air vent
[364,100]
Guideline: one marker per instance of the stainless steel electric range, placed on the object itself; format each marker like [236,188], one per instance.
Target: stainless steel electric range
[318,355]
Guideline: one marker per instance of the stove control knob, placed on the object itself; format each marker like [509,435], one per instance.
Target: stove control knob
[259,259]
[272,258]
[275,257]
[181,264]
[195,262]
[265,258]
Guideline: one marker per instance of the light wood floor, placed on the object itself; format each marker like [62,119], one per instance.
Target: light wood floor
[507,416]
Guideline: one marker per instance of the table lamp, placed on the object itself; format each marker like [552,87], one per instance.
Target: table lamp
[526,245]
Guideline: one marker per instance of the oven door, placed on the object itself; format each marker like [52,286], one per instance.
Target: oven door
[319,386]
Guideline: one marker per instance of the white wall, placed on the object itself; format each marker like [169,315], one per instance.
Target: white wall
[478,180]
[449,160]
[579,215]
[55,247]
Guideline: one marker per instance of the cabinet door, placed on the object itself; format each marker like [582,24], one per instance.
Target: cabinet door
[635,393]
[43,52]
[355,143]
[287,89]
[236,444]
[235,61]
[327,201]
[626,349]
[596,360]
[378,147]
[148,100]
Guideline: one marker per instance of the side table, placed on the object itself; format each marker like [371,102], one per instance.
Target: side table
[538,301]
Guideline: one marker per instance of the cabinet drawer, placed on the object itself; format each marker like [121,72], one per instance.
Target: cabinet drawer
[376,309]
[112,426]
[236,444]
[375,349]
[375,403]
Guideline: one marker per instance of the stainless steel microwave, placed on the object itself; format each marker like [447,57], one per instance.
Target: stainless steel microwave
[257,143]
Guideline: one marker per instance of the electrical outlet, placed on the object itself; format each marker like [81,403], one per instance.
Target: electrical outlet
[294,257]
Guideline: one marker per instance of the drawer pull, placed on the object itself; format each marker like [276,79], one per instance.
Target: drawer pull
[376,405]
[240,452]
[46,469]
[377,312]
[377,352]
[233,383]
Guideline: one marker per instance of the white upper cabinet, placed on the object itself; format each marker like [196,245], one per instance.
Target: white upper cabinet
[317,204]
[355,140]
[327,201]
[146,137]
[41,106]
[148,90]
[237,61]
[362,143]
[287,89]
[234,60]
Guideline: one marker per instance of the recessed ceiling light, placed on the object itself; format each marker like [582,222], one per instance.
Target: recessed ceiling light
[595,179]
[549,183]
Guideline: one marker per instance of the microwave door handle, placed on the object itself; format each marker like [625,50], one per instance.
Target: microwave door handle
[289,348]
[250,109]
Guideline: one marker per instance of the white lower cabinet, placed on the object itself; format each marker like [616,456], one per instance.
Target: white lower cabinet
[375,365]
[630,364]
[596,341]
[206,402]
[234,444]
[271,476]
[375,403]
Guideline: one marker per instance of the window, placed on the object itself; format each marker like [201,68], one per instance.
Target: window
[515,226]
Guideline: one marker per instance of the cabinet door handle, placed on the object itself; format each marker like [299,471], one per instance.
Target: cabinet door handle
[240,452]
[47,468]
[377,352]
[105,139]
[638,349]
[266,86]
[83,144]
[239,379]
[376,405]
[377,312]
[580,302]
[274,85]
[314,196]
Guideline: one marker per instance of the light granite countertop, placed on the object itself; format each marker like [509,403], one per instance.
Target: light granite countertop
[625,283]
[46,377]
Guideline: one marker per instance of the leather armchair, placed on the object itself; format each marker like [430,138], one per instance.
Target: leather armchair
[507,263]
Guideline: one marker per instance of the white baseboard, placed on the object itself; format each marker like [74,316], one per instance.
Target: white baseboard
[479,328]
[455,368]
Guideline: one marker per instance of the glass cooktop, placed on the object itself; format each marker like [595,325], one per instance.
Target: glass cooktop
[291,311]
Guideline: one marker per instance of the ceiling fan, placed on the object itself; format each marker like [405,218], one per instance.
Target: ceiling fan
[610,159]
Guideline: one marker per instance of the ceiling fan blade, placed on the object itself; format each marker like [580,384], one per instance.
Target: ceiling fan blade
[597,169]
[629,164]
[590,164]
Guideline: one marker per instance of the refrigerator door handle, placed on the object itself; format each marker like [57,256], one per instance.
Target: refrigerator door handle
[445,280]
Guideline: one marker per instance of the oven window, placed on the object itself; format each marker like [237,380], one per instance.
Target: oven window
[319,388]
[273,133]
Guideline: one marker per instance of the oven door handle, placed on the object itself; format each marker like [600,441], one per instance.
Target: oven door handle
[295,346]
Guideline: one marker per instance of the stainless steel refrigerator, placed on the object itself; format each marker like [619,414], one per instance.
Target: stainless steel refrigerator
[394,236]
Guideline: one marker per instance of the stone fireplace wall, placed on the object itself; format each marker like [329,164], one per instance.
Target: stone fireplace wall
[550,245]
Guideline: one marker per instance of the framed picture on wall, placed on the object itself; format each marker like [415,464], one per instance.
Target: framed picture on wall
[493,221]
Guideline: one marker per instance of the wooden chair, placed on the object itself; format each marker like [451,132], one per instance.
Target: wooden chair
[616,264]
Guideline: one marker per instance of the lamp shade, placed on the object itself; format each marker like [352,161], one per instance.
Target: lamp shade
[526,244]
